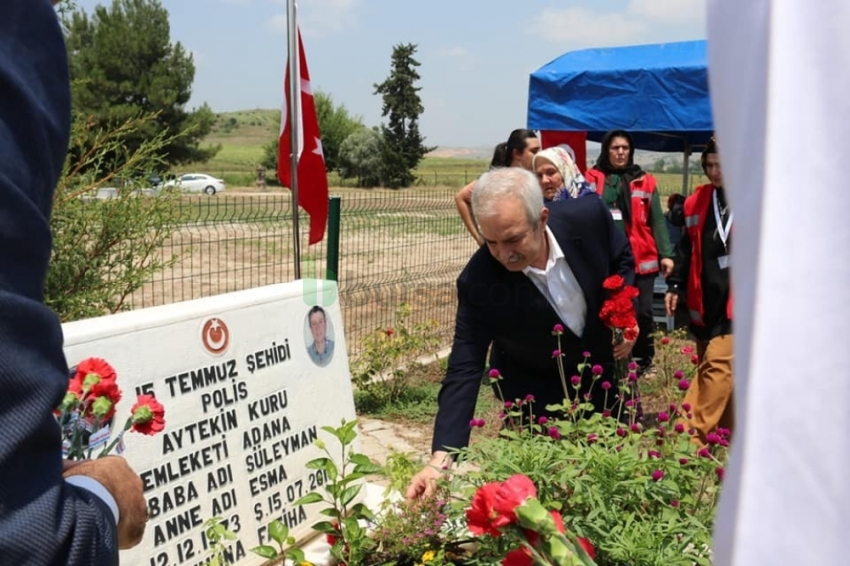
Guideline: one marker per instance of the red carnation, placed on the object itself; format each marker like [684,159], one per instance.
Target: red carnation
[513,492]
[630,334]
[481,517]
[148,415]
[97,366]
[108,390]
[588,548]
[518,557]
[613,282]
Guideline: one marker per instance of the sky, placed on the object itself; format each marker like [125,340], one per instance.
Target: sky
[476,55]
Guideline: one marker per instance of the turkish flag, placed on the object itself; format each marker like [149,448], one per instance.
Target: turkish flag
[576,141]
[312,177]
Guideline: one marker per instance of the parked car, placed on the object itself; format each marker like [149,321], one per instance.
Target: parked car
[196,183]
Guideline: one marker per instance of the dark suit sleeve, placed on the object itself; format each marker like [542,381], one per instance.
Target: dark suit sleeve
[459,390]
[43,520]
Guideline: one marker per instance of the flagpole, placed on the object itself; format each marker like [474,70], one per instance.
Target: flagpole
[294,120]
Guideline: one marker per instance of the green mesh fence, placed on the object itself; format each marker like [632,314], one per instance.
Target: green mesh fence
[395,247]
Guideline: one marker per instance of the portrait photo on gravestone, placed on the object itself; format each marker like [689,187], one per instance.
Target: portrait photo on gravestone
[319,336]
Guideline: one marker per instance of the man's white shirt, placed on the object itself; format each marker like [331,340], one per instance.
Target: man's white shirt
[559,285]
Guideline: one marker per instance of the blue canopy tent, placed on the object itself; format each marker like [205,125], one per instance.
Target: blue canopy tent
[658,93]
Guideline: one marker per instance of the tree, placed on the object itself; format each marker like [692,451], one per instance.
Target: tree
[360,157]
[658,166]
[403,146]
[104,250]
[124,66]
[335,125]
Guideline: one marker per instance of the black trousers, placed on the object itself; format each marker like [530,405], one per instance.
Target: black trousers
[644,350]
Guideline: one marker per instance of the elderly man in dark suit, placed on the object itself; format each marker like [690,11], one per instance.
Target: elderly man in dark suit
[540,267]
[51,512]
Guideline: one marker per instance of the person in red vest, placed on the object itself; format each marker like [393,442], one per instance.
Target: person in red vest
[632,198]
[702,271]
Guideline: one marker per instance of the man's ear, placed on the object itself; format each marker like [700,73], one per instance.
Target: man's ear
[544,217]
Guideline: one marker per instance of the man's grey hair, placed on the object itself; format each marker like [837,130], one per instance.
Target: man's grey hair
[498,184]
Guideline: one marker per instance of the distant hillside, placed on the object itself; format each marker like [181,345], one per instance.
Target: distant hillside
[261,123]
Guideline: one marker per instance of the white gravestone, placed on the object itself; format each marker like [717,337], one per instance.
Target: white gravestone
[244,401]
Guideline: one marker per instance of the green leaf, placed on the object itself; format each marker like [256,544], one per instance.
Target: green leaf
[325,527]
[265,551]
[278,531]
[318,463]
[348,494]
[309,498]
[296,555]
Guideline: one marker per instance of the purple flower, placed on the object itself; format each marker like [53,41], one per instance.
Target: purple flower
[556,353]
[508,404]
[703,453]
[587,396]
[635,427]
[606,385]
[621,432]
[653,454]
[684,384]
[674,503]
[502,416]
[597,370]
[657,475]
[591,438]
[575,380]
[630,403]
[633,366]
[724,432]
[680,428]
[554,433]
[473,423]
[633,377]
[686,406]
[679,374]
[542,420]
[683,461]
[558,329]
[663,417]
[529,398]
[721,473]
[481,422]
[712,438]
[672,408]
[724,443]
[494,373]
[606,414]
[659,432]
[585,354]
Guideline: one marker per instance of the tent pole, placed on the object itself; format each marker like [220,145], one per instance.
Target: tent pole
[685,168]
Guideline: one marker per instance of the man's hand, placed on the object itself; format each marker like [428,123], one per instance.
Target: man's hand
[624,348]
[667,267]
[671,302]
[424,483]
[125,486]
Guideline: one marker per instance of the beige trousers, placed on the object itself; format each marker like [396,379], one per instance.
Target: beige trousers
[711,392]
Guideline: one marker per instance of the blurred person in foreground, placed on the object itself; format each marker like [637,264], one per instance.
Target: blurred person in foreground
[51,511]
[541,267]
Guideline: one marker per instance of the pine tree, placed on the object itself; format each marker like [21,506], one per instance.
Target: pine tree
[402,148]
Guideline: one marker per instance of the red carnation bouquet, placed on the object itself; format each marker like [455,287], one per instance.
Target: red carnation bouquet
[618,313]
[511,507]
[87,411]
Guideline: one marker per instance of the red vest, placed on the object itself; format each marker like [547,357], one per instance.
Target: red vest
[697,207]
[638,230]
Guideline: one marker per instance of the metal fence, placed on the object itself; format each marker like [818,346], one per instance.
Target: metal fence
[395,247]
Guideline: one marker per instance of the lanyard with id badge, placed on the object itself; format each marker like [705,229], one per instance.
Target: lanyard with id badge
[722,231]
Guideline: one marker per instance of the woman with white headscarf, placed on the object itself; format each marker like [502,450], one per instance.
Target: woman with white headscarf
[559,176]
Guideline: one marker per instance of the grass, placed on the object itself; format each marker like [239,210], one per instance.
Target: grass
[418,405]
